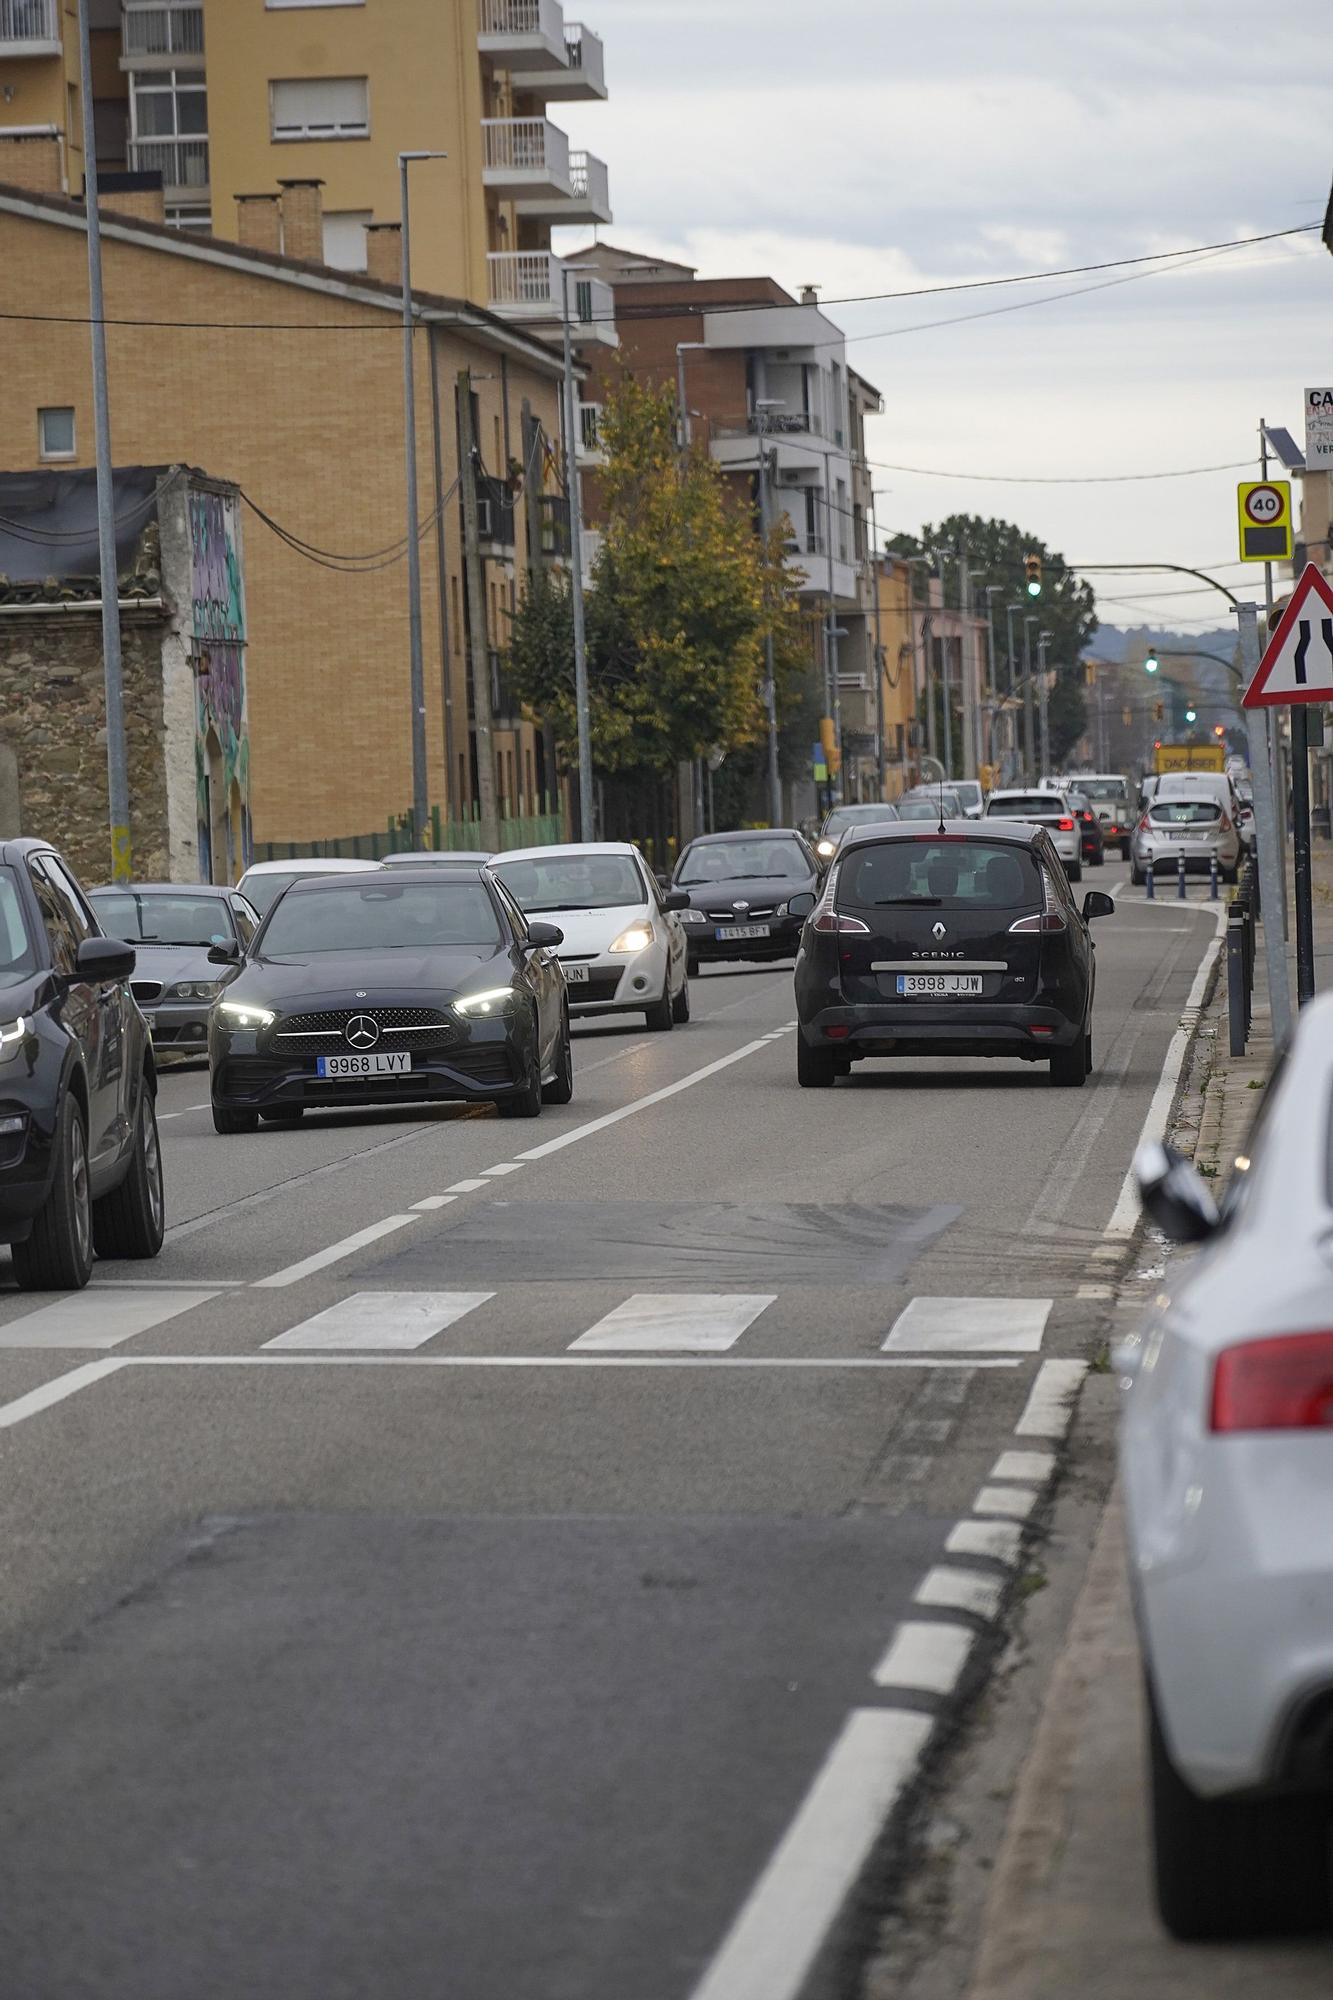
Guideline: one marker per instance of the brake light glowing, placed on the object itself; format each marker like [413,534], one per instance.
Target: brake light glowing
[1283,1384]
[833,920]
[1049,920]
[1065,825]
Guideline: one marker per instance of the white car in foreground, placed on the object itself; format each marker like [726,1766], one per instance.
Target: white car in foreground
[1042,806]
[1227,1461]
[624,947]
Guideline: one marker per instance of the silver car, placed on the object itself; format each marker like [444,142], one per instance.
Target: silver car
[1042,806]
[173,926]
[1227,1463]
[1195,830]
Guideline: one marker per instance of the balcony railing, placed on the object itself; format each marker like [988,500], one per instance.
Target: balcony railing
[556,542]
[522,18]
[591,184]
[777,423]
[163,30]
[590,430]
[526,284]
[805,545]
[587,57]
[525,152]
[182,163]
[29,27]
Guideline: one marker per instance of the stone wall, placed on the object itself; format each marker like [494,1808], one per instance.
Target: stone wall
[53,719]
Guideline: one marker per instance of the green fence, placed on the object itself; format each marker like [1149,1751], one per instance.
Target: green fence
[446,835]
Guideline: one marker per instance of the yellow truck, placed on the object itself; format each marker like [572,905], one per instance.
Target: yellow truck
[1189,757]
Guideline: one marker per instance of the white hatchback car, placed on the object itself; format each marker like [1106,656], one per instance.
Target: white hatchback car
[1043,806]
[1188,827]
[1227,1462]
[624,947]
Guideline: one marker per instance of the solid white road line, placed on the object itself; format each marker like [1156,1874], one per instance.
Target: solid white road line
[886,1364]
[603,1124]
[966,1326]
[998,1540]
[56,1392]
[1012,1503]
[675,1322]
[1037,1466]
[101,1318]
[1050,1407]
[930,1658]
[960,1590]
[774,1940]
[336,1251]
[385,1321]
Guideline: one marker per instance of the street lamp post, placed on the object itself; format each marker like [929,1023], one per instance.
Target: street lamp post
[420,782]
[763,404]
[1029,713]
[1043,641]
[993,590]
[574,491]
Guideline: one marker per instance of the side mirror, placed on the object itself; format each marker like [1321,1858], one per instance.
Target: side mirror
[801,906]
[229,953]
[1173,1194]
[545,937]
[102,959]
[675,899]
[1097,904]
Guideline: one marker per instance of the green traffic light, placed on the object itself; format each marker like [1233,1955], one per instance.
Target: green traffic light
[1034,588]
[1150,665]
[1191,715]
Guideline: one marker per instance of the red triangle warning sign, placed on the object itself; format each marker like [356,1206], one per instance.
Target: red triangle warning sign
[1298,660]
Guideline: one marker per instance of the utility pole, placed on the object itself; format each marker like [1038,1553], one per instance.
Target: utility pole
[879,650]
[835,693]
[1272,718]
[993,590]
[1266,808]
[117,768]
[1043,640]
[1009,611]
[420,781]
[442,581]
[967,671]
[488,831]
[684,347]
[574,490]
[761,409]
[1029,716]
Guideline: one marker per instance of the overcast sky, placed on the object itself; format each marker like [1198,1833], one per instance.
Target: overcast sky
[868,146]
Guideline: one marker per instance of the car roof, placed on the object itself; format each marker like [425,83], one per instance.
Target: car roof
[569,849]
[321,885]
[1027,791]
[747,833]
[313,864]
[1016,832]
[23,844]
[438,857]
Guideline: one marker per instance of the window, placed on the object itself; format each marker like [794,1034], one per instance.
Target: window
[85,923]
[55,433]
[168,104]
[953,875]
[345,239]
[17,957]
[324,107]
[57,919]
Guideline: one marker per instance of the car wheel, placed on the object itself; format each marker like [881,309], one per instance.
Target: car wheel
[1231,875]
[1076,871]
[692,968]
[1099,858]
[660,1016]
[58,1255]
[1234,1868]
[284,1114]
[130,1221]
[231,1123]
[1069,1067]
[527,1100]
[1136,875]
[680,1006]
[561,1087]
[816,1069]
[1124,850]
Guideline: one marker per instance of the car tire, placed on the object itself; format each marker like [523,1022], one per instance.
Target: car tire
[1234,1868]
[661,1015]
[1075,871]
[1099,858]
[691,968]
[1069,1067]
[130,1221]
[232,1123]
[1231,875]
[561,1087]
[527,1100]
[1088,1052]
[816,1069]
[283,1114]
[1136,875]
[680,1006]
[58,1254]
[1125,851]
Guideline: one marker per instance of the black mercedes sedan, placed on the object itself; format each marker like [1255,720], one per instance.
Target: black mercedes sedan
[961,941]
[80,1165]
[418,985]
[740,887]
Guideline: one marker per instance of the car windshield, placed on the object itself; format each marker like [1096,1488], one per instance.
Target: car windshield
[1186,812]
[929,809]
[950,874]
[1103,790]
[17,957]
[759,860]
[140,917]
[575,882]
[1024,805]
[839,821]
[381,916]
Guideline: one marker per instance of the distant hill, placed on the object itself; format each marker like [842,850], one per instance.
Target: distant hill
[1111,641]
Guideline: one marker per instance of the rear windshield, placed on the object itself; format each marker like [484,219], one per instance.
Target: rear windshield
[575,882]
[838,822]
[382,916]
[1047,803]
[758,860]
[946,874]
[1186,812]
[263,891]
[1104,790]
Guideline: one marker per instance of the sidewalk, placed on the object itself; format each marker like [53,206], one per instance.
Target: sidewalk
[1070,1907]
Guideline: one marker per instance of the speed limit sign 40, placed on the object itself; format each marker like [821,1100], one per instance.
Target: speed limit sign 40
[1264,506]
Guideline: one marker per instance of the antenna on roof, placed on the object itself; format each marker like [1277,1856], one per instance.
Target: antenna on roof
[941,799]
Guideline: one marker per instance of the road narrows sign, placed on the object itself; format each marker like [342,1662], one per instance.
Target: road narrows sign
[1297,665]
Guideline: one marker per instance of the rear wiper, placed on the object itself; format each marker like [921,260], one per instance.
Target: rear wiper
[901,902]
[538,909]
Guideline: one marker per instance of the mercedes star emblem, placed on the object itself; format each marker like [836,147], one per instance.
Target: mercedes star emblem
[938,931]
[362,1031]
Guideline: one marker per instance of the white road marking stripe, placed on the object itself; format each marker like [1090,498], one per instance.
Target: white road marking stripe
[999,1540]
[101,1318]
[959,1326]
[99,1283]
[886,1364]
[776,1936]
[679,1322]
[434,1201]
[56,1392]
[506,1167]
[382,1320]
[960,1590]
[1050,1407]
[586,1069]
[928,1657]
[596,1125]
[468,1187]
[336,1251]
[1012,1503]
[1037,1466]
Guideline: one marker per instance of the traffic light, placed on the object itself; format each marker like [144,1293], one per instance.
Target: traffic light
[1151,664]
[1032,575]
[1191,715]
[1219,729]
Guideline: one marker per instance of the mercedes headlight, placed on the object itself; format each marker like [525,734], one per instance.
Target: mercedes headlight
[194,989]
[12,1035]
[244,1014]
[637,938]
[479,1006]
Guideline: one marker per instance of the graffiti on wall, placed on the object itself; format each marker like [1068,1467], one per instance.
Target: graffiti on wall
[217,646]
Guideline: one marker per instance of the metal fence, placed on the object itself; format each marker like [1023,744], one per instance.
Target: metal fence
[29,21]
[446,836]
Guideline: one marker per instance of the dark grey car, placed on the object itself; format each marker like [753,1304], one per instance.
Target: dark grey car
[173,926]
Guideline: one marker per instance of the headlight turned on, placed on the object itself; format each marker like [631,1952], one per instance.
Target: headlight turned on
[637,938]
[478,1006]
[241,1015]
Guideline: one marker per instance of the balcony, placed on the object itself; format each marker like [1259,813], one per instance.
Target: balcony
[523,34]
[590,449]
[29,28]
[525,285]
[495,516]
[526,160]
[792,441]
[556,541]
[584,74]
[182,163]
[592,191]
[162,34]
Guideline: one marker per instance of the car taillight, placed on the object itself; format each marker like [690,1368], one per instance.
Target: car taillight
[1050,920]
[1283,1384]
[1086,818]
[1065,825]
[833,920]
[1145,824]
[1226,824]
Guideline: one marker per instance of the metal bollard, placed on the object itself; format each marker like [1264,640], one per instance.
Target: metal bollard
[1212,879]
[1180,877]
[1237,996]
[1150,882]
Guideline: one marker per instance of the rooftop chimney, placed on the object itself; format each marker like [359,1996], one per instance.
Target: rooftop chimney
[384,252]
[259,221]
[302,208]
[809,295]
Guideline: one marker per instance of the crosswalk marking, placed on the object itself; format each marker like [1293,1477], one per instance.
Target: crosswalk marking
[99,1318]
[675,1322]
[970,1326]
[381,1321]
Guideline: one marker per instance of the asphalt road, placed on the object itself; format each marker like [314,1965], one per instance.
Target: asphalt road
[525,1559]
